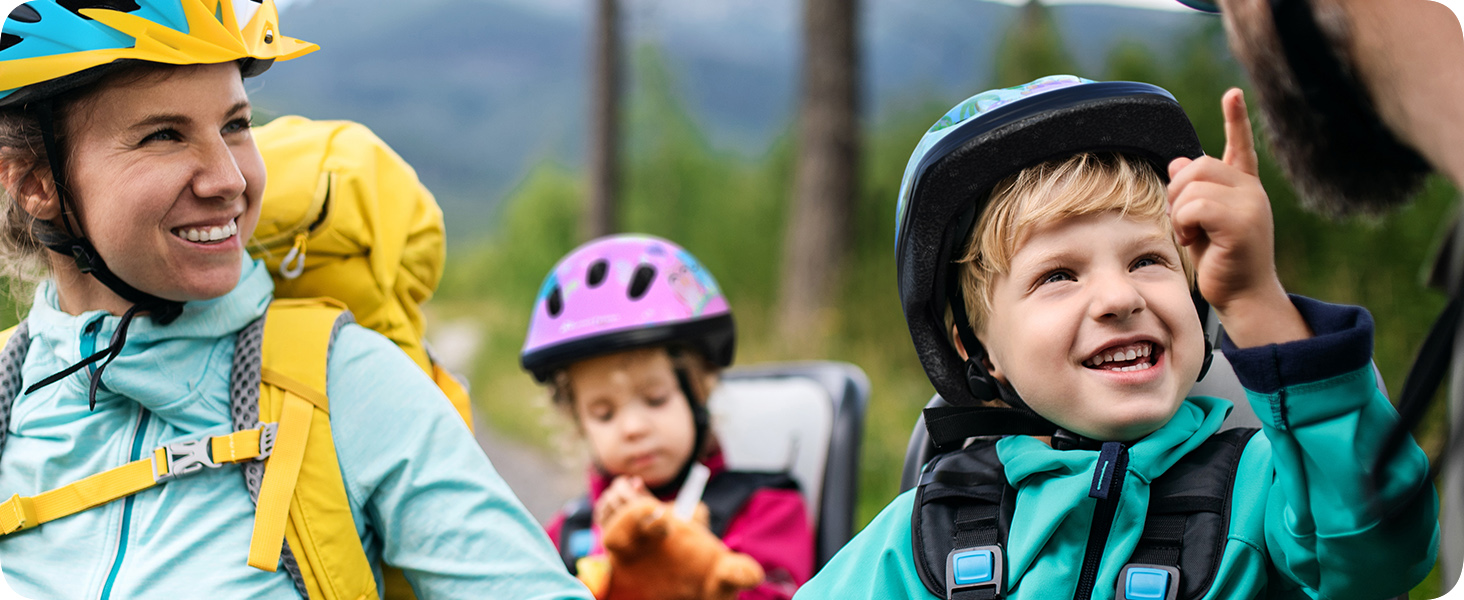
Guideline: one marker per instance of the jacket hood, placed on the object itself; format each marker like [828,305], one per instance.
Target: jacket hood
[162,367]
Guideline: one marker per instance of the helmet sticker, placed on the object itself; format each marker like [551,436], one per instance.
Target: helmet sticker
[689,290]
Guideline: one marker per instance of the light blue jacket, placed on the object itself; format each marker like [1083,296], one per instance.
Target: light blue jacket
[1300,525]
[423,495]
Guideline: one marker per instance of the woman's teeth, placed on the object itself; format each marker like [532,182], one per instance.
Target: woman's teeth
[1140,352]
[208,234]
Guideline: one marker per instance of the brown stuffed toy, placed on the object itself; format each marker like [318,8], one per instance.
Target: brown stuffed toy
[653,555]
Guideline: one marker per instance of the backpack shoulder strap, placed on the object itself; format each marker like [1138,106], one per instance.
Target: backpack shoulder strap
[729,491]
[302,499]
[14,343]
[576,538]
[1189,518]
[963,511]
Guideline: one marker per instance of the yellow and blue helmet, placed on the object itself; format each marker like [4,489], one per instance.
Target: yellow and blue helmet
[51,46]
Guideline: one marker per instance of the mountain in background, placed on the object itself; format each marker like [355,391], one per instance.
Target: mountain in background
[474,92]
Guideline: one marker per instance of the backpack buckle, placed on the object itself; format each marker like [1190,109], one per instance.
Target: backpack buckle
[182,458]
[974,568]
[1147,582]
[267,434]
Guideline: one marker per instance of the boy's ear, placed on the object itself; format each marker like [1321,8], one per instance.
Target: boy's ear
[986,361]
[32,187]
[960,346]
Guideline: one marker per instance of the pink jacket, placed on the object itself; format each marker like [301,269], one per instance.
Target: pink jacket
[771,528]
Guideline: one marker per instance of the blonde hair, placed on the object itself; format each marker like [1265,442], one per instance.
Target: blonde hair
[1079,185]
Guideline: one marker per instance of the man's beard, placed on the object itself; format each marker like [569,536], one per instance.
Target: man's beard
[1334,147]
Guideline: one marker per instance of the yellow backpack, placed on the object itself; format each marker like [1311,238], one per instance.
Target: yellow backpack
[344,217]
[359,230]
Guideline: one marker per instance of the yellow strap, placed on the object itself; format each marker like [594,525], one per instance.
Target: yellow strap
[280,474]
[20,512]
[294,386]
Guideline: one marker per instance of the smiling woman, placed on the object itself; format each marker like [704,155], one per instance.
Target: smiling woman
[130,175]
[151,186]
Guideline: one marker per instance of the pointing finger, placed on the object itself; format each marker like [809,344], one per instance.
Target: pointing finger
[1240,144]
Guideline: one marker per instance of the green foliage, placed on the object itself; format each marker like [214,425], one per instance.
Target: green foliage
[1033,48]
[9,312]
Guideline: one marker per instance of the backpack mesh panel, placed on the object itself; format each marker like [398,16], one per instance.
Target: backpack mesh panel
[11,359]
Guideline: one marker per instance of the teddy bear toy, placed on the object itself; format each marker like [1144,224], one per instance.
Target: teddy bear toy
[653,555]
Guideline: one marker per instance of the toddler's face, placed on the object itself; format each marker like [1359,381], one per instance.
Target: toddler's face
[1094,326]
[634,414]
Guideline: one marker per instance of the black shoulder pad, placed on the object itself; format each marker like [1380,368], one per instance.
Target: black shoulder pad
[1197,489]
[578,516]
[972,475]
[729,491]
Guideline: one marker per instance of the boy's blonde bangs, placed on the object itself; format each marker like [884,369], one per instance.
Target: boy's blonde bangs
[1080,185]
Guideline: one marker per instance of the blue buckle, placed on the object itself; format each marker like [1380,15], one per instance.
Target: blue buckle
[581,543]
[974,568]
[1147,582]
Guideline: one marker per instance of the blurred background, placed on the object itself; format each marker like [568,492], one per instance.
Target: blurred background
[768,137]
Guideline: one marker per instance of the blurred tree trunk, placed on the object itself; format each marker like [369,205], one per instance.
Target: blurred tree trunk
[600,216]
[825,187]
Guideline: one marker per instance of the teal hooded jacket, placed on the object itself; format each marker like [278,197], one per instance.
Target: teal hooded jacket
[423,495]
[1303,518]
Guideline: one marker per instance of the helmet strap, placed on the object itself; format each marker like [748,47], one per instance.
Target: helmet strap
[701,421]
[73,243]
[70,243]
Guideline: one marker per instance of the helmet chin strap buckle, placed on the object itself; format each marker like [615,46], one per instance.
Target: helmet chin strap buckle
[85,261]
[1209,357]
[979,380]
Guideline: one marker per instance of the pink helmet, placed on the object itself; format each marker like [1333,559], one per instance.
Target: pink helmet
[621,292]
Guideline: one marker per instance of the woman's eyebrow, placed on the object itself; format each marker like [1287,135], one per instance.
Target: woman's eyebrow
[152,121]
[159,119]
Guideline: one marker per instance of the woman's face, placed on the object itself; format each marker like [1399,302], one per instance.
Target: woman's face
[167,179]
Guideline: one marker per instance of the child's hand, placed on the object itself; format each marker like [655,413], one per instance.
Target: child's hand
[1222,214]
[619,493]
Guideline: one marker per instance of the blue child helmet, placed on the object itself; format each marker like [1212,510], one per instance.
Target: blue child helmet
[977,143]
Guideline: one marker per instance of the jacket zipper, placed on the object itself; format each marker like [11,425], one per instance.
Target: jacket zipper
[89,346]
[137,437]
[1108,489]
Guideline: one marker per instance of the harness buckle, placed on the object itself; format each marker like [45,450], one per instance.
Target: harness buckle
[1147,582]
[182,458]
[974,568]
[267,434]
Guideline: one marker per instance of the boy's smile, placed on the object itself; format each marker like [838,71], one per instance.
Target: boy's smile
[1094,326]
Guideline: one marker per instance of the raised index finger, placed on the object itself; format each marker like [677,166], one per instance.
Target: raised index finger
[1240,143]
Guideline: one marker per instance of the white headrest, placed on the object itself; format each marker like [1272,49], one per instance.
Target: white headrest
[776,424]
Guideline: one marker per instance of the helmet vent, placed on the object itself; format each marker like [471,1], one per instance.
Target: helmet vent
[7,40]
[641,281]
[75,6]
[25,14]
[556,302]
[597,273]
